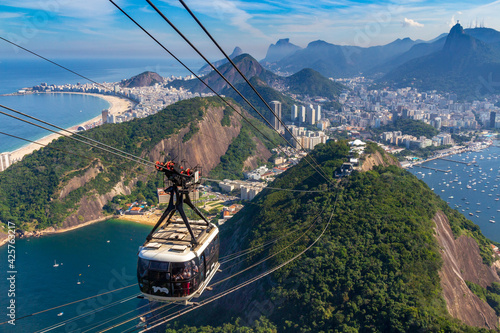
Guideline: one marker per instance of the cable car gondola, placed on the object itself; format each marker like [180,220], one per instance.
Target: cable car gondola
[179,256]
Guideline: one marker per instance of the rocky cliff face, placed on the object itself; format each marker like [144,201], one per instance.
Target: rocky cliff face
[204,148]
[378,159]
[462,262]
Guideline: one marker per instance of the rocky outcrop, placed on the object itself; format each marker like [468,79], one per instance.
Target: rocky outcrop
[262,153]
[145,79]
[462,262]
[90,206]
[204,148]
[377,159]
[77,182]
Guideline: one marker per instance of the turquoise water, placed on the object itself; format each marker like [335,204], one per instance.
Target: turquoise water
[63,110]
[83,255]
[66,110]
[484,179]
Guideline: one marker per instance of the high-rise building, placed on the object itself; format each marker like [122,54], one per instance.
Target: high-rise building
[295,113]
[4,161]
[437,123]
[318,113]
[104,115]
[275,118]
[302,114]
[311,115]
[493,119]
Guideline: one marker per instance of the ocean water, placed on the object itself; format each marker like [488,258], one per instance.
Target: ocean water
[482,199]
[61,109]
[27,72]
[83,255]
[94,259]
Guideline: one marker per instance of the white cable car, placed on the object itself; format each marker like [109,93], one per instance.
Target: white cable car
[179,258]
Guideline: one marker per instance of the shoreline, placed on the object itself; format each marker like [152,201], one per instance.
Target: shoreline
[53,231]
[118,105]
[148,219]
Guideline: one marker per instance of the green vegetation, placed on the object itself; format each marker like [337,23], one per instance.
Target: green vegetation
[242,147]
[334,106]
[311,83]
[461,139]
[408,126]
[226,121]
[376,267]
[423,153]
[490,295]
[193,129]
[231,164]
[143,191]
[30,190]
[260,326]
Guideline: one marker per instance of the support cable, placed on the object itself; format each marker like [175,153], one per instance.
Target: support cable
[63,305]
[244,77]
[227,81]
[250,281]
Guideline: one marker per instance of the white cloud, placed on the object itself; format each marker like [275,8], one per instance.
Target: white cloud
[411,23]
[229,11]
[452,22]
[10,15]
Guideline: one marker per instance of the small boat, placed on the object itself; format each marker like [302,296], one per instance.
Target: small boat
[471,214]
[55,264]
[78,282]
[60,314]
[492,221]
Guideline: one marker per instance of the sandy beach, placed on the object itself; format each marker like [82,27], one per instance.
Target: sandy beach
[117,106]
[148,218]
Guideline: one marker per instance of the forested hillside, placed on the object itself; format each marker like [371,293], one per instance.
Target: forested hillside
[71,182]
[376,268]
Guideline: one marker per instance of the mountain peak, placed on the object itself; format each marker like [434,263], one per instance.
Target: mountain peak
[280,50]
[458,41]
[207,68]
[236,52]
[144,79]
[456,30]
[283,41]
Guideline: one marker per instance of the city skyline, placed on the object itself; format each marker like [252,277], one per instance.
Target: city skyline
[97,29]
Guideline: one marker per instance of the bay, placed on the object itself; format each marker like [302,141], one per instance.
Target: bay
[483,177]
[61,109]
[101,256]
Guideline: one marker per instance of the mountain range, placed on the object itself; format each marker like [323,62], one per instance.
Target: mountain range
[464,64]
[306,82]
[404,61]
[207,69]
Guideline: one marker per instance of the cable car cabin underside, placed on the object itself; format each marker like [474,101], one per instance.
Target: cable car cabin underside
[172,268]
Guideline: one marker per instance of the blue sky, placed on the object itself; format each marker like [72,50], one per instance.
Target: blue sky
[95,28]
